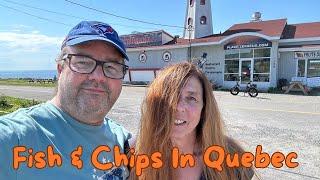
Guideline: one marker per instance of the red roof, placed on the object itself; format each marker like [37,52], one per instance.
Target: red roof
[303,30]
[273,28]
[269,28]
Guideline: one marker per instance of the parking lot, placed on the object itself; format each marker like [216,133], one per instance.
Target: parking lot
[285,123]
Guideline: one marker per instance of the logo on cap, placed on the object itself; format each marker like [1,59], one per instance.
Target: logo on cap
[103,29]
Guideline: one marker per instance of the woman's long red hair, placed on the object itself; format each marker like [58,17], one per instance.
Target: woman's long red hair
[157,119]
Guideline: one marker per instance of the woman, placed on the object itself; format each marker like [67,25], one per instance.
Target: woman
[180,111]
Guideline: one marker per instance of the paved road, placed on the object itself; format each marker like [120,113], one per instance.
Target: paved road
[282,123]
[37,93]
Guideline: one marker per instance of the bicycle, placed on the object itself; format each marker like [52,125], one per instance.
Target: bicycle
[251,89]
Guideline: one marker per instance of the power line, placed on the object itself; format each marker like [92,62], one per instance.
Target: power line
[42,18]
[122,17]
[68,15]
[59,13]
[33,7]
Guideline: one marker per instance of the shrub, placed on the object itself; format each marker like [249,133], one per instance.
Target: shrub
[4,103]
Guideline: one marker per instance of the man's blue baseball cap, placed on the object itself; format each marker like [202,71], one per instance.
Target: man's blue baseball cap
[94,31]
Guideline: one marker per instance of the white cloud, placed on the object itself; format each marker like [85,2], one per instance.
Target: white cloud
[16,28]
[28,50]
[35,32]
[20,26]
[31,42]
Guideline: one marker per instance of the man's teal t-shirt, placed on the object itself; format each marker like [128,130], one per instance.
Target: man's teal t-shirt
[45,125]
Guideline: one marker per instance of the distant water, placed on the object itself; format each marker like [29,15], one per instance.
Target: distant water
[42,74]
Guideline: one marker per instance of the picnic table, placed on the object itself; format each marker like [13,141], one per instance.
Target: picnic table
[297,86]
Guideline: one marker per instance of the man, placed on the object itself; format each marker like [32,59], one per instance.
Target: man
[69,136]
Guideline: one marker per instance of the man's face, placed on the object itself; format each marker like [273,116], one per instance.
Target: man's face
[89,97]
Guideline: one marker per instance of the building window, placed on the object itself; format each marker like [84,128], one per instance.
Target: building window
[313,68]
[202,2]
[191,2]
[308,64]
[301,68]
[231,54]
[231,66]
[260,57]
[189,21]
[261,64]
[264,52]
[261,70]
[246,53]
[203,20]
[231,70]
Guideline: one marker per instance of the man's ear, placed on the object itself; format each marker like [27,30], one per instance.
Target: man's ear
[59,69]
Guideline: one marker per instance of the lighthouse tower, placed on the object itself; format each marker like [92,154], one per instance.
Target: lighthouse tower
[198,20]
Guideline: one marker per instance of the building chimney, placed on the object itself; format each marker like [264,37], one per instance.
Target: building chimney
[256,16]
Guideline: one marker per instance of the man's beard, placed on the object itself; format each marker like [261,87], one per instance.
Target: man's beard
[83,105]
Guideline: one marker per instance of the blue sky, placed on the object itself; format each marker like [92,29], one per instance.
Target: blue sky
[30,43]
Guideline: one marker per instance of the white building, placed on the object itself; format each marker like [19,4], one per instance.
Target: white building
[260,51]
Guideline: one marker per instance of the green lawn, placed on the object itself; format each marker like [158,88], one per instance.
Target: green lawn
[26,82]
[10,104]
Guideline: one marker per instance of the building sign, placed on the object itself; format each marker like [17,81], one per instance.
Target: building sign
[307,55]
[142,39]
[166,56]
[211,68]
[142,57]
[247,42]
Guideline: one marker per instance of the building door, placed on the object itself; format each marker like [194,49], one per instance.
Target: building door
[301,69]
[246,70]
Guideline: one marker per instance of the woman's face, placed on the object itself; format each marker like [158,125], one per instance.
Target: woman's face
[189,109]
